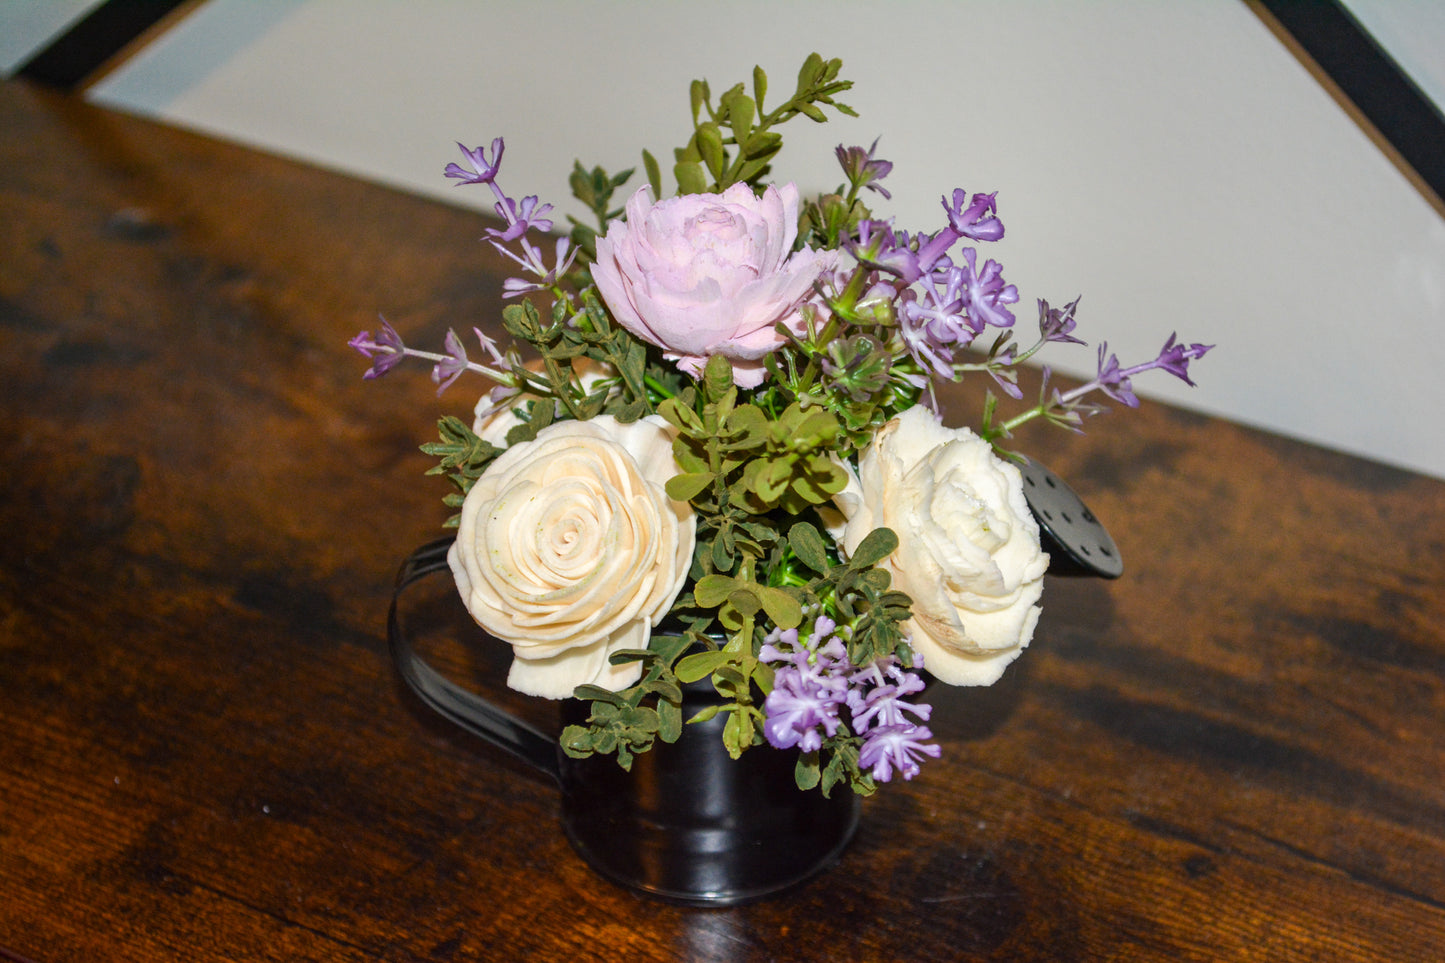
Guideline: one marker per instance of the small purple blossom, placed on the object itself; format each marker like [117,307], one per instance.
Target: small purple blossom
[934,321]
[545,277]
[987,292]
[450,368]
[520,218]
[1001,369]
[881,704]
[863,169]
[798,715]
[1057,324]
[385,348]
[490,347]
[896,749]
[978,221]
[770,651]
[877,246]
[931,253]
[482,171]
[1175,358]
[1112,379]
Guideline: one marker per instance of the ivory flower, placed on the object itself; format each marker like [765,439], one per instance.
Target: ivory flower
[968,548]
[569,549]
[705,274]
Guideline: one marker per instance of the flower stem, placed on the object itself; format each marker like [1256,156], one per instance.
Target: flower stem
[507,378]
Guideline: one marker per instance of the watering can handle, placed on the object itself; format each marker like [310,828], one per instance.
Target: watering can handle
[465,709]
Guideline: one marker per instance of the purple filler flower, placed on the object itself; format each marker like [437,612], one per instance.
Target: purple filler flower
[1175,358]
[1057,324]
[450,368]
[385,348]
[1114,380]
[987,292]
[520,218]
[798,714]
[979,220]
[896,749]
[817,681]
[862,169]
[802,710]
[482,172]
[882,704]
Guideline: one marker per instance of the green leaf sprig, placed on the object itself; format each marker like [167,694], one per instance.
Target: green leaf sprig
[463,458]
[594,188]
[734,142]
[629,722]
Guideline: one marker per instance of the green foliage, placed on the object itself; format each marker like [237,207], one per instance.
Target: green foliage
[855,593]
[741,459]
[591,334]
[630,721]
[733,141]
[463,458]
[841,767]
[594,188]
[829,218]
[850,366]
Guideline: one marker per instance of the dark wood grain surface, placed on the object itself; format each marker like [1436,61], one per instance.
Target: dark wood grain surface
[1234,752]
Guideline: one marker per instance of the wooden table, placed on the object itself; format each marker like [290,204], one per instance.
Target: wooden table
[1234,752]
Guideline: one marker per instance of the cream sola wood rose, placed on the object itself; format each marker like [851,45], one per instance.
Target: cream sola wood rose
[569,549]
[968,549]
[705,274]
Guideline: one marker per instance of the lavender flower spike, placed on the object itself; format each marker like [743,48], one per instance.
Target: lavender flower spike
[1114,380]
[1175,358]
[482,172]
[385,347]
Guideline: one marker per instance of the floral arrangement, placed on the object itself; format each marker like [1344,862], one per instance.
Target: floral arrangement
[722,459]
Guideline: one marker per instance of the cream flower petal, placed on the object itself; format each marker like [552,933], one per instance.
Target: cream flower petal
[569,549]
[968,552]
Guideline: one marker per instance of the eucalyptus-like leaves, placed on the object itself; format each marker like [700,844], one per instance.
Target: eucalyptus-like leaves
[733,142]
